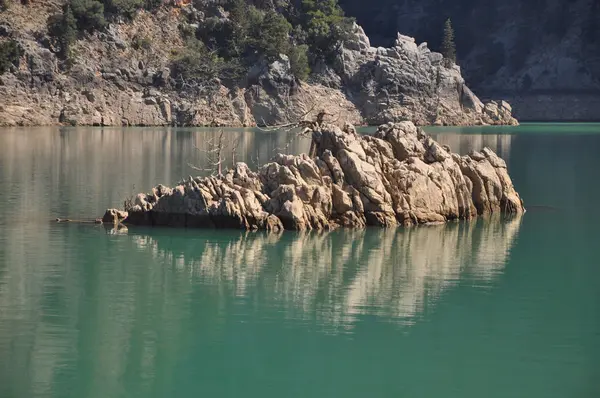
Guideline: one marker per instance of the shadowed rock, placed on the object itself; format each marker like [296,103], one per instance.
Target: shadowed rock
[114,216]
[397,176]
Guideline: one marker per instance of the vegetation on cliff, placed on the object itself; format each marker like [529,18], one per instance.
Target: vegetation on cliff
[503,45]
[10,52]
[230,39]
[307,34]
[80,16]
[448,45]
[229,62]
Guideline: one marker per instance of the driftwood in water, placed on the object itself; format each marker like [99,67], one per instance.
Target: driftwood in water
[70,220]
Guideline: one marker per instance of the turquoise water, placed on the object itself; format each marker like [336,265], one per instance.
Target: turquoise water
[494,308]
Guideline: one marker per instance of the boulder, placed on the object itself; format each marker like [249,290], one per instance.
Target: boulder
[410,82]
[114,216]
[357,40]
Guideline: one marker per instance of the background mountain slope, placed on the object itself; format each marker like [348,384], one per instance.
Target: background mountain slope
[541,55]
[232,62]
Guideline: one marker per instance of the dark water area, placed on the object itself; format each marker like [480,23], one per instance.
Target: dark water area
[501,307]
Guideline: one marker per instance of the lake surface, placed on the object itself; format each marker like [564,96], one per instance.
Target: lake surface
[493,308]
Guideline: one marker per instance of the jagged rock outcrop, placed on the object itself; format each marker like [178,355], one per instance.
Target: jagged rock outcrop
[397,176]
[113,216]
[114,81]
[410,82]
[543,56]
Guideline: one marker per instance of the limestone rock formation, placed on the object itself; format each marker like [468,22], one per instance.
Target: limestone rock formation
[410,82]
[397,176]
[542,56]
[114,216]
[113,82]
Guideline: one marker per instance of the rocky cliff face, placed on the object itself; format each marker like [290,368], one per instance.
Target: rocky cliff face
[526,51]
[410,82]
[398,176]
[113,80]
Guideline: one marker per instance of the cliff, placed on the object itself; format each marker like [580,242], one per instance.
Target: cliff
[541,55]
[124,74]
[398,176]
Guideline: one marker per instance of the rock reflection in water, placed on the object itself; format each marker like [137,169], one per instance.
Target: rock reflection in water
[334,277]
[112,307]
[101,166]
[464,144]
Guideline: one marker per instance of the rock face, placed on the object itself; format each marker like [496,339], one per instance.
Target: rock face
[397,176]
[410,82]
[113,81]
[542,55]
[114,216]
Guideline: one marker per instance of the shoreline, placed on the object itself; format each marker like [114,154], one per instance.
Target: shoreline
[263,127]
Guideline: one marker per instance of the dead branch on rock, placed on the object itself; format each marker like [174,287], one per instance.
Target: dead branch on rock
[287,127]
[256,160]
[234,150]
[285,149]
[129,199]
[214,156]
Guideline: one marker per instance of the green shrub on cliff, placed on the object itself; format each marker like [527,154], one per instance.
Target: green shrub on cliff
[195,62]
[3,5]
[271,37]
[152,4]
[10,53]
[197,68]
[141,43]
[249,35]
[89,14]
[218,35]
[63,29]
[126,8]
[448,45]
[325,25]
[299,61]
[258,31]
[76,16]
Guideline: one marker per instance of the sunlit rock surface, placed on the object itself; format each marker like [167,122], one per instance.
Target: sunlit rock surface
[399,175]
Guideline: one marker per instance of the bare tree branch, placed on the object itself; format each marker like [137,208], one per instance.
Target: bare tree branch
[215,154]
[297,123]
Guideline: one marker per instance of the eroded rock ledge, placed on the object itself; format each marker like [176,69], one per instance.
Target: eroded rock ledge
[397,176]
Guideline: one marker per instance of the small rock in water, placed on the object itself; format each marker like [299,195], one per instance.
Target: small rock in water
[114,216]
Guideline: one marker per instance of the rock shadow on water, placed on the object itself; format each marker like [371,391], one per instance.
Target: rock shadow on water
[334,278]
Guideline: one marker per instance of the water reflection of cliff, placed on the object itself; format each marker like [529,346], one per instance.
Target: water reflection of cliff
[81,171]
[465,143]
[335,277]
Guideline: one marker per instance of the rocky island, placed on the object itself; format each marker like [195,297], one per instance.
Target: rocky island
[228,63]
[398,176]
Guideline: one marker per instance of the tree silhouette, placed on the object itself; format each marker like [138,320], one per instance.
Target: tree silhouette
[448,44]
